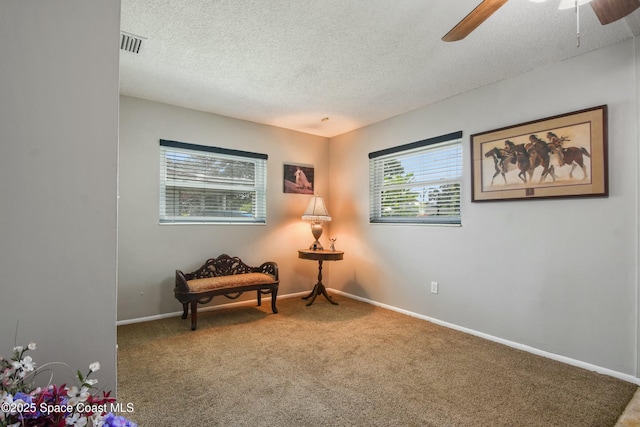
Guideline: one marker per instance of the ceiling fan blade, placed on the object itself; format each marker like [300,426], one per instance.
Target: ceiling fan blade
[609,11]
[472,20]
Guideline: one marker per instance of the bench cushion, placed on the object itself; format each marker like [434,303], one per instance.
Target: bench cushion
[232,281]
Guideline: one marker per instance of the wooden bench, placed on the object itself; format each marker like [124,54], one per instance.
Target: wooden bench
[227,276]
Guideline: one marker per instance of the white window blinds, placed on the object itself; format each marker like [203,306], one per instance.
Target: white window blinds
[418,182]
[211,185]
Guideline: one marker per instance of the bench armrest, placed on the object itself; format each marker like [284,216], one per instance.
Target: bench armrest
[181,282]
[268,268]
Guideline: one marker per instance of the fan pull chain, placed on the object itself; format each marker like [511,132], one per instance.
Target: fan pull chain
[577,25]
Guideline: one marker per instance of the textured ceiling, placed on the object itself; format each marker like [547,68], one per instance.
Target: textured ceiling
[291,63]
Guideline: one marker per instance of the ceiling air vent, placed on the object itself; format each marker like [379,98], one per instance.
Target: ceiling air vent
[130,42]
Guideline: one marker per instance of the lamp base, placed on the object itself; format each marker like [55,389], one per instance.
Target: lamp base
[316,246]
[316,230]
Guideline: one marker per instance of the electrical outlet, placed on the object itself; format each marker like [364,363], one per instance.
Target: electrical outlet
[434,287]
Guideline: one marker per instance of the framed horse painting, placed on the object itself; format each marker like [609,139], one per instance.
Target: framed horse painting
[559,156]
[298,178]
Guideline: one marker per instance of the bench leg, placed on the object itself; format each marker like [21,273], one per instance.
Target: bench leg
[274,294]
[259,298]
[185,309]
[194,315]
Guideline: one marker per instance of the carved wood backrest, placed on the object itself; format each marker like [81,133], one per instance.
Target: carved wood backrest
[224,265]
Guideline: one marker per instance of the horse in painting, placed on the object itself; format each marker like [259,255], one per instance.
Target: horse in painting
[502,162]
[573,156]
[538,155]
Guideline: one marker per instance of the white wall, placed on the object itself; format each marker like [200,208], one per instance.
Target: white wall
[556,275]
[58,169]
[149,253]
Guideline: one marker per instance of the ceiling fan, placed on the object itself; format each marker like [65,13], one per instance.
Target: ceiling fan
[607,12]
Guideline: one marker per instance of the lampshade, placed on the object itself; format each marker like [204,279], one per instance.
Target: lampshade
[316,211]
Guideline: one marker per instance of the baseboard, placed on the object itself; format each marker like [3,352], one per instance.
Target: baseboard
[201,309]
[523,347]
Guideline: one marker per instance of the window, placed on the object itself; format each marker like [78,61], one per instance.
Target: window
[209,184]
[418,182]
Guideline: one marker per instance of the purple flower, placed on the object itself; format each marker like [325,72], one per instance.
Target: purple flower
[111,420]
[27,407]
[26,398]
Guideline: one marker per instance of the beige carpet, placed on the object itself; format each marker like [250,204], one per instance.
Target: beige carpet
[348,365]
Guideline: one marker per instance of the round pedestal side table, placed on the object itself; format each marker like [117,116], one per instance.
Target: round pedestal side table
[320,256]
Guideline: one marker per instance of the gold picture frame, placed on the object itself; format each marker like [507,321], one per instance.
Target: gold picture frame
[559,156]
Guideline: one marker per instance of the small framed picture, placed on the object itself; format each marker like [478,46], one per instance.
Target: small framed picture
[298,178]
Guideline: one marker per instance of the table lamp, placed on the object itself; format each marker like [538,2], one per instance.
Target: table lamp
[316,213]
